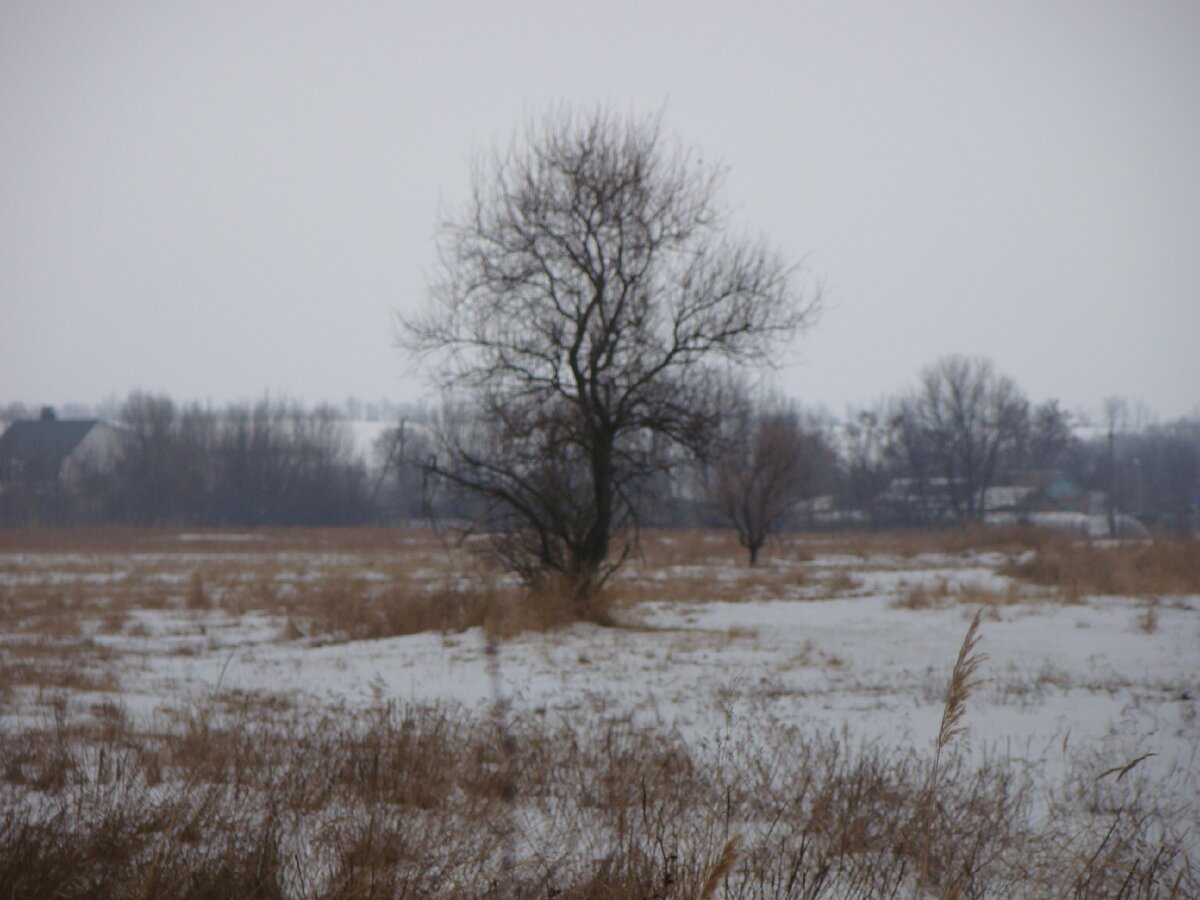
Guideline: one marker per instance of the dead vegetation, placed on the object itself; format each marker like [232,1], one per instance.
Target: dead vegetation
[707,584]
[346,610]
[943,593]
[254,801]
[250,795]
[701,547]
[963,681]
[961,540]
[1163,566]
[65,593]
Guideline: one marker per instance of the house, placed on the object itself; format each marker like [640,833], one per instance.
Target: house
[1005,499]
[1051,499]
[46,454]
[1037,492]
[914,501]
[1054,491]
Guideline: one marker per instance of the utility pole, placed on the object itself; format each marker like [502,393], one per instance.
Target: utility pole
[1112,484]
[1137,487]
[1114,411]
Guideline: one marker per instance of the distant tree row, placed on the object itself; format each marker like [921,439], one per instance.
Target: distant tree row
[270,463]
[963,429]
[931,455]
[961,445]
[924,457]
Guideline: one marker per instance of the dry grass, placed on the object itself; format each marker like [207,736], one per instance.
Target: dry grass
[228,542]
[1148,617]
[1164,566]
[250,800]
[910,543]
[704,566]
[346,610]
[62,591]
[963,681]
[699,547]
[841,582]
[327,583]
[941,594]
[61,579]
[251,795]
[707,585]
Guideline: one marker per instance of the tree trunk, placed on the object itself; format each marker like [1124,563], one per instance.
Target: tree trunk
[594,549]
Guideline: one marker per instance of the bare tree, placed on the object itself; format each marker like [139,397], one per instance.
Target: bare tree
[1049,437]
[269,464]
[962,417]
[761,469]
[866,458]
[1166,474]
[586,296]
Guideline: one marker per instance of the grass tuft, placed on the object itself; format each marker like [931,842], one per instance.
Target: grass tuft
[963,681]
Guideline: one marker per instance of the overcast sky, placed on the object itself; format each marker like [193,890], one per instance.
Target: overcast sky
[222,200]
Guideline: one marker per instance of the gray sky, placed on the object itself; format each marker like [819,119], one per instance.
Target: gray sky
[217,200]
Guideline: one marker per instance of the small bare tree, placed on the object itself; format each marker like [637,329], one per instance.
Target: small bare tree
[760,470]
[586,296]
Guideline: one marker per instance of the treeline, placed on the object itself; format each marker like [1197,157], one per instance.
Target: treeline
[946,450]
[271,463]
[936,452]
[966,444]
[887,475]
[267,463]
[962,444]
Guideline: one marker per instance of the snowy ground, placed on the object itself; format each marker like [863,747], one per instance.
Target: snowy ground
[1089,674]
[139,671]
[822,641]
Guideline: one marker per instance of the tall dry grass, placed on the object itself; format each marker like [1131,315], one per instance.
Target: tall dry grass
[254,800]
[963,682]
[1165,565]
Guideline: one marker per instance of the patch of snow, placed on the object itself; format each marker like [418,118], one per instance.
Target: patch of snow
[220,536]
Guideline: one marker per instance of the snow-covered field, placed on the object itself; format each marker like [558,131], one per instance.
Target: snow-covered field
[1087,675]
[823,639]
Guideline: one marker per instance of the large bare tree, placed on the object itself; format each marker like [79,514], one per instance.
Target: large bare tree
[962,418]
[586,298]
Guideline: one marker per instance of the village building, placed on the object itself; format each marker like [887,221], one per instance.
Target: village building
[44,459]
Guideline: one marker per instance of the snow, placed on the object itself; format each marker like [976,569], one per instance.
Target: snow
[217,536]
[1058,675]
[1096,678]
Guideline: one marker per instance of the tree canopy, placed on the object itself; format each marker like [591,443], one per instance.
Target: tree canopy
[588,298]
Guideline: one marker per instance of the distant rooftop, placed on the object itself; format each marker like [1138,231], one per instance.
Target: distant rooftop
[36,448]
